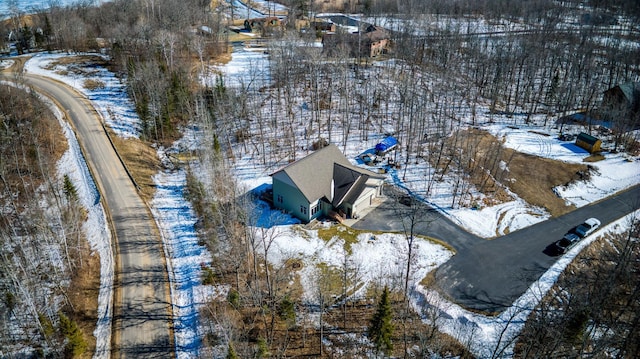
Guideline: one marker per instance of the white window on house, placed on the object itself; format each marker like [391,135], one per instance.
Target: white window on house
[314,210]
[303,209]
[279,199]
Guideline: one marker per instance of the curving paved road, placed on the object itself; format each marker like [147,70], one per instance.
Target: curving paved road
[142,326]
[489,275]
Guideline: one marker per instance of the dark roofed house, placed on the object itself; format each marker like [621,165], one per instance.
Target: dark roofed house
[371,42]
[323,26]
[588,142]
[324,182]
[622,100]
[261,23]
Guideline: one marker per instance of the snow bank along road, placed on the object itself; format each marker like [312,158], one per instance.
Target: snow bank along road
[489,275]
[142,325]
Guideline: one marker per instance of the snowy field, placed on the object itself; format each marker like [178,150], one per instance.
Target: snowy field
[176,219]
[256,9]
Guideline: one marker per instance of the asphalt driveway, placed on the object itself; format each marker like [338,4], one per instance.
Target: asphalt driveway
[489,275]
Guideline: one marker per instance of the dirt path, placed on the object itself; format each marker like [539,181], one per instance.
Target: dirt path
[17,66]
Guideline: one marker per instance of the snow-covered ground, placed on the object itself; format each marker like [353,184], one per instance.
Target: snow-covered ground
[10,8]
[176,219]
[378,259]
[481,333]
[256,9]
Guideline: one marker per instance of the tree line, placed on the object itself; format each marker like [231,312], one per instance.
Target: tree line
[440,81]
[43,250]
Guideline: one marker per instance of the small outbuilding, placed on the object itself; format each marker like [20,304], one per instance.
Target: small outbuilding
[588,142]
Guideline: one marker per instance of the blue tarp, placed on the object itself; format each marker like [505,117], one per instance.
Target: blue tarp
[387,144]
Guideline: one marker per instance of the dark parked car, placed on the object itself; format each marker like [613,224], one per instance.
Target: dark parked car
[567,242]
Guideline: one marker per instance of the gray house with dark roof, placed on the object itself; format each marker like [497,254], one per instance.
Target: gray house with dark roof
[323,183]
[622,101]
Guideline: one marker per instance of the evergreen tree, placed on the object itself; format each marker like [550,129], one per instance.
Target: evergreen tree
[231,353]
[287,311]
[69,189]
[76,345]
[381,329]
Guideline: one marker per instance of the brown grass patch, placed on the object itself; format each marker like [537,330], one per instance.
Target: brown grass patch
[91,84]
[79,65]
[83,297]
[429,280]
[596,157]
[492,167]
[141,161]
[535,177]
[234,37]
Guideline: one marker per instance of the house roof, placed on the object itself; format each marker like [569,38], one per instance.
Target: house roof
[354,192]
[345,179]
[376,33]
[314,174]
[630,90]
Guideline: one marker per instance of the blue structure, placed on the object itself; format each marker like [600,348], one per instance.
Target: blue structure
[386,145]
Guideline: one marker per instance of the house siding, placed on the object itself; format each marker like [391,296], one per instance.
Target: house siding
[320,207]
[291,200]
[364,201]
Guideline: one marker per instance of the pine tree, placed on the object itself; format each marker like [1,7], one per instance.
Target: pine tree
[231,353]
[381,329]
[69,189]
[76,345]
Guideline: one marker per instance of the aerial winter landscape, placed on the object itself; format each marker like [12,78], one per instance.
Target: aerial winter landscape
[250,275]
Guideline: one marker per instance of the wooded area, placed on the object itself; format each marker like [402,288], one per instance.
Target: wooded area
[44,258]
[427,95]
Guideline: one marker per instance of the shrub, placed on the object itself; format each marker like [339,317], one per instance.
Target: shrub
[208,277]
[91,84]
[234,298]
